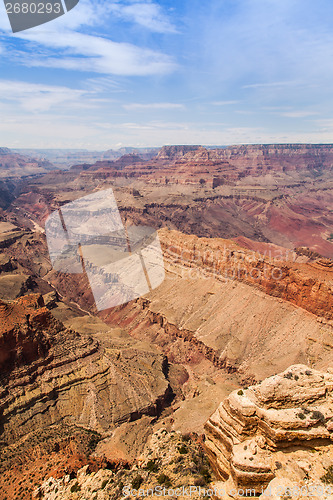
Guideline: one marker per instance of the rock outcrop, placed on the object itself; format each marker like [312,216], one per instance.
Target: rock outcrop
[170,464]
[51,374]
[249,313]
[306,286]
[177,152]
[258,159]
[291,410]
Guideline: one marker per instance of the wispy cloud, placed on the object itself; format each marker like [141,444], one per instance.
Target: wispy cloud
[259,68]
[152,106]
[298,114]
[146,14]
[224,103]
[266,45]
[89,53]
[36,97]
[270,84]
[103,84]
[64,43]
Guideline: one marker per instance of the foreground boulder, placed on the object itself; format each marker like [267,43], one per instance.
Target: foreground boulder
[252,426]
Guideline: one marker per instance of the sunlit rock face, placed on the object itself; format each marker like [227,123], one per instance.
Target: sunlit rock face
[52,374]
[288,411]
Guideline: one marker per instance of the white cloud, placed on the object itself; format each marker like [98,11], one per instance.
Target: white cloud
[270,84]
[89,53]
[224,103]
[86,13]
[59,44]
[45,130]
[34,97]
[298,114]
[4,21]
[103,84]
[152,106]
[146,14]
[93,13]
[326,125]
[279,49]
[50,130]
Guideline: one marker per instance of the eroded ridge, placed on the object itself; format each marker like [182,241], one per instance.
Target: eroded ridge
[291,410]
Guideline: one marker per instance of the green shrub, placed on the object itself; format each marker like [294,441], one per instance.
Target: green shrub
[104,483]
[199,481]
[93,441]
[301,416]
[164,479]
[186,437]
[240,392]
[76,487]
[205,472]
[152,466]
[137,481]
[328,477]
[182,449]
[317,415]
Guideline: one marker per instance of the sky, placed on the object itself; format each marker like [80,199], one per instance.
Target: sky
[140,73]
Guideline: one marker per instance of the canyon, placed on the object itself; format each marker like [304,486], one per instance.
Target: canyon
[16,165]
[247,299]
[278,194]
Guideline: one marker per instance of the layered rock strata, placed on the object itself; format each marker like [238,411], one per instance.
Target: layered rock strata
[223,300]
[51,374]
[301,284]
[288,410]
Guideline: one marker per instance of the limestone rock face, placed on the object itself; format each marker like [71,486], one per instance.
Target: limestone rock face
[293,408]
[222,299]
[52,374]
[306,285]
[172,152]
[257,159]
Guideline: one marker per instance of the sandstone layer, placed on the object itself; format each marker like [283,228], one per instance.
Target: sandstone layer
[247,313]
[307,286]
[52,374]
[289,410]
[268,193]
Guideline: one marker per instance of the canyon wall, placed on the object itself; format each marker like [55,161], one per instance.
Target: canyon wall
[52,374]
[253,326]
[309,286]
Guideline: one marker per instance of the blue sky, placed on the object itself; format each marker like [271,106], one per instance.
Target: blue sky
[114,73]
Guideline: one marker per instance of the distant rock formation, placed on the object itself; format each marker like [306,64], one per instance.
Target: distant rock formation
[288,410]
[14,165]
[51,374]
[172,152]
[258,159]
